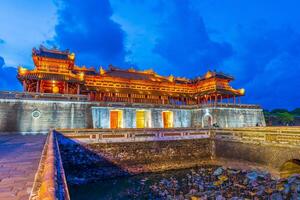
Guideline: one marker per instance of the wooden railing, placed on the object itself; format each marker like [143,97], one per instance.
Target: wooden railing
[50,181]
[75,97]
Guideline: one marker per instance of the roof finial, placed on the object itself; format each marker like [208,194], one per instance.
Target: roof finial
[171,78]
[102,71]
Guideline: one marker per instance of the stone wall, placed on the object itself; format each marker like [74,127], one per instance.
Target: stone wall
[259,147]
[272,155]
[90,162]
[18,115]
[40,115]
[228,117]
[101,117]
[50,181]
[223,117]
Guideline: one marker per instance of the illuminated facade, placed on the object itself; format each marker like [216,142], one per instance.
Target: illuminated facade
[55,72]
[118,98]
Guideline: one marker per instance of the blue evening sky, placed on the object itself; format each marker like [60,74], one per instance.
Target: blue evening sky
[257,41]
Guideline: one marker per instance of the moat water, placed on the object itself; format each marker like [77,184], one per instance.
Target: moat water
[209,182]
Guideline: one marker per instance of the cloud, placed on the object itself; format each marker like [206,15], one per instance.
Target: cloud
[8,77]
[2,41]
[267,64]
[86,28]
[185,43]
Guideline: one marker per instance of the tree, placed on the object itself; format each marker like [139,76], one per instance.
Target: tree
[285,118]
[296,112]
[279,110]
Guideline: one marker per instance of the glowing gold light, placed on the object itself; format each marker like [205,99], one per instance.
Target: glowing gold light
[102,71]
[208,74]
[242,91]
[55,89]
[81,76]
[22,70]
[140,119]
[71,56]
[167,119]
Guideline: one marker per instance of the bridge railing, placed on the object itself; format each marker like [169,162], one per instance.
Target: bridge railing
[98,135]
[50,181]
[278,135]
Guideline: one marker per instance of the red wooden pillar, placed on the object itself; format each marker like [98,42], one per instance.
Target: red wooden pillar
[67,88]
[78,88]
[38,86]
[24,86]
[216,99]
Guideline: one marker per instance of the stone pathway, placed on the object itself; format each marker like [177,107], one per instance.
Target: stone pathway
[19,160]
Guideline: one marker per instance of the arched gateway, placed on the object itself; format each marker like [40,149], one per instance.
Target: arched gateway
[207,121]
[290,167]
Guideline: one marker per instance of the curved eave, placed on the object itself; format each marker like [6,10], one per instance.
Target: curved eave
[143,92]
[48,76]
[221,91]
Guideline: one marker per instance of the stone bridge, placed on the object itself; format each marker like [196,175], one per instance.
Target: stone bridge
[277,148]
[133,151]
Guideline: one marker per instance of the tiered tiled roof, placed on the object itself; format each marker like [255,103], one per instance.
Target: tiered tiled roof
[56,65]
[51,53]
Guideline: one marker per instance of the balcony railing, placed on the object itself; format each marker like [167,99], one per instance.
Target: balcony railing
[107,102]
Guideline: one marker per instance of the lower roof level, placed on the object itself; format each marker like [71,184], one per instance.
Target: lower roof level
[49,97]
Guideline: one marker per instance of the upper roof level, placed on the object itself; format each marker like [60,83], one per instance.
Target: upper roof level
[53,53]
[53,63]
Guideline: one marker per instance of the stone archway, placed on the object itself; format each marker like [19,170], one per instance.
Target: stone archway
[289,168]
[207,121]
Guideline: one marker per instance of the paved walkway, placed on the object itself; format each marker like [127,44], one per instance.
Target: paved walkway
[19,159]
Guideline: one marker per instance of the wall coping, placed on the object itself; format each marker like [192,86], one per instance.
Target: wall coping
[50,181]
[266,135]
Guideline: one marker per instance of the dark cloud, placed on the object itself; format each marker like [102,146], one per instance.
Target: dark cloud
[185,43]
[267,64]
[8,77]
[2,41]
[86,28]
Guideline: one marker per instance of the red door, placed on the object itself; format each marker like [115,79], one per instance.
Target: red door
[114,119]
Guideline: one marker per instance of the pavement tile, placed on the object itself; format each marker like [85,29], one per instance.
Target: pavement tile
[19,159]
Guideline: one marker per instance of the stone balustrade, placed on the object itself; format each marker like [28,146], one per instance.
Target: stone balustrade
[121,135]
[50,182]
[267,146]
[273,135]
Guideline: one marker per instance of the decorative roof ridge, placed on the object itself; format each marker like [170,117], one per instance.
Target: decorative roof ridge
[84,68]
[53,50]
[131,70]
[150,71]
[213,74]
